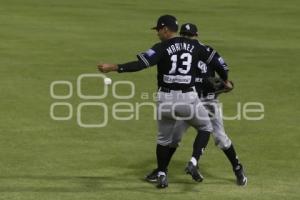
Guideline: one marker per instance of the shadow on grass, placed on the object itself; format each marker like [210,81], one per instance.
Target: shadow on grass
[131,180]
[67,184]
[77,184]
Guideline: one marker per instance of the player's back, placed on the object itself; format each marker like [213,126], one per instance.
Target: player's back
[177,64]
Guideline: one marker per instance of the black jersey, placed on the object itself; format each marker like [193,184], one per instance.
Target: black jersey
[176,60]
[214,65]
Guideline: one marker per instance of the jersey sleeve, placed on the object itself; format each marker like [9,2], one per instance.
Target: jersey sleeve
[151,56]
[217,63]
[131,66]
[204,53]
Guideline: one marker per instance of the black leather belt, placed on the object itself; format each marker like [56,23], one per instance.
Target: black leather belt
[167,90]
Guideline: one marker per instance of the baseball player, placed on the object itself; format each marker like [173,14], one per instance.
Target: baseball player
[208,94]
[176,59]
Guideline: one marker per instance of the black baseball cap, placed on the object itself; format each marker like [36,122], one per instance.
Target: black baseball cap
[168,21]
[189,29]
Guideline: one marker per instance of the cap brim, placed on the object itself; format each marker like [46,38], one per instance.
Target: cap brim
[154,28]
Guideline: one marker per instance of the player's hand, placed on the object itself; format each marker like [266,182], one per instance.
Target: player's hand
[106,67]
[228,86]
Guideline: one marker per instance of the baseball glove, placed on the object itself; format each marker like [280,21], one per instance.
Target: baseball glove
[218,85]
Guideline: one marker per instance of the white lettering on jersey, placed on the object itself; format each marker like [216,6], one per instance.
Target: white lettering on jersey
[199,80]
[180,46]
[177,79]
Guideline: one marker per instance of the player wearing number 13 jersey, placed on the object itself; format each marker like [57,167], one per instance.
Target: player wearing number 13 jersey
[176,59]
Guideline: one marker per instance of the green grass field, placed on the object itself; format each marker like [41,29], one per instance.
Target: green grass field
[44,41]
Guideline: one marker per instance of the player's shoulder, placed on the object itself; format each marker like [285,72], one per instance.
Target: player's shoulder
[202,47]
[212,50]
[208,48]
[157,45]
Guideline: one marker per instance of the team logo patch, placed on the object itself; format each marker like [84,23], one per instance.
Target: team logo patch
[150,52]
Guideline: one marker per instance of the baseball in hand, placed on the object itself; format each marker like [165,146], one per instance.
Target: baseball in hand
[107,81]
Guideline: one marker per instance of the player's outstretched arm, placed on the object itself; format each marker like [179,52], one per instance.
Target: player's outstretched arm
[145,60]
[127,67]
[106,67]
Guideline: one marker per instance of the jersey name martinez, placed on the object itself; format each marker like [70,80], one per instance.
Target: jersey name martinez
[174,48]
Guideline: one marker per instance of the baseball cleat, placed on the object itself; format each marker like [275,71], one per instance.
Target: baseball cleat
[162,181]
[193,171]
[152,176]
[241,178]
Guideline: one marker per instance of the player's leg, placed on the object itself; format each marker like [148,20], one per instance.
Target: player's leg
[224,143]
[164,138]
[178,131]
[166,125]
[202,124]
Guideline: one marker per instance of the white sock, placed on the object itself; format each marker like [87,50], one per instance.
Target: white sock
[194,161]
[160,173]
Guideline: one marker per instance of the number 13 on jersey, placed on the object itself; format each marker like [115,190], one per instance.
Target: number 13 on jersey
[185,65]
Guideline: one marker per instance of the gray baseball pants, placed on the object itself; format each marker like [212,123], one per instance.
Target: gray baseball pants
[176,106]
